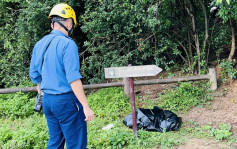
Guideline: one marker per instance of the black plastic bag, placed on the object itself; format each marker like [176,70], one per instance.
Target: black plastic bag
[155,119]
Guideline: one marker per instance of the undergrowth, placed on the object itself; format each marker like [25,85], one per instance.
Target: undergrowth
[18,105]
[27,133]
[20,127]
[227,69]
[220,132]
[109,103]
[185,96]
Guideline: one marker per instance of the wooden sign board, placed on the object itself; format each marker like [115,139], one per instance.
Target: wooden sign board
[132,71]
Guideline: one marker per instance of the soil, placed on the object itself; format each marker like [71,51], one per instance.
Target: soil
[222,109]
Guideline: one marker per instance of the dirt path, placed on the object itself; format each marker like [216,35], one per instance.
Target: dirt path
[194,143]
[223,109]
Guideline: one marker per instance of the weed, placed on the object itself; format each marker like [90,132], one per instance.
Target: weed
[222,133]
[28,130]
[227,68]
[145,102]
[185,96]
[109,103]
[208,131]
[18,105]
[26,133]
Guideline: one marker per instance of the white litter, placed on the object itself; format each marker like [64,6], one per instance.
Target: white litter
[108,127]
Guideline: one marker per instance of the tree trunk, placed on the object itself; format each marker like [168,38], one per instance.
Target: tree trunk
[232,51]
[206,25]
[189,43]
[195,32]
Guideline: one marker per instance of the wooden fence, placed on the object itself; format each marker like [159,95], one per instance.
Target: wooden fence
[210,76]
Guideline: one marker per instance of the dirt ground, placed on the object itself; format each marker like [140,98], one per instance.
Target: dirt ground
[222,109]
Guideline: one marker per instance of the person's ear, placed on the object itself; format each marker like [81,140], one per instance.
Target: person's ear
[65,23]
[69,22]
[52,26]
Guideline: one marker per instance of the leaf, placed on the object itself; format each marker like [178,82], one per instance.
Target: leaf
[218,1]
[228,1]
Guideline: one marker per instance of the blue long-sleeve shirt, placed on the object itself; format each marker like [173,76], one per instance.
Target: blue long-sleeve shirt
[61,63]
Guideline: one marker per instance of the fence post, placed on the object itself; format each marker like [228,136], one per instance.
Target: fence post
[213,80]
[126,86]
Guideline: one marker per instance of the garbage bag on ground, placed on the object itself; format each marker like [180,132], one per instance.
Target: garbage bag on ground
[154,119]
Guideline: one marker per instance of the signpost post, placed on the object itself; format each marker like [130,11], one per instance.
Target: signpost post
[132,71]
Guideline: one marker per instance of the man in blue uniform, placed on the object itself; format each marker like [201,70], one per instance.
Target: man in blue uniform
[55,68]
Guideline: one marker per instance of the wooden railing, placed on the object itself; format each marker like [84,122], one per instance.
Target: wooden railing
[210,76]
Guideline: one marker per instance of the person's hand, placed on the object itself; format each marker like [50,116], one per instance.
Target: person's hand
[88,113]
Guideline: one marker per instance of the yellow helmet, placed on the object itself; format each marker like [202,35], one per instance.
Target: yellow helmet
[64,11]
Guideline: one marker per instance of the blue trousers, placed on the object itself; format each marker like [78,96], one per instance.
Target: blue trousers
[66,121]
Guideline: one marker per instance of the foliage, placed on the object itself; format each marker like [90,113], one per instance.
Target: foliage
[21,29]
[209,131]
[223,132]
[148,32]
[117,137]
[18,105]
[122,137]
[30,130]
[185,96]
[27,133]
[22,24]
[115,33]
[220,1]
[125,32]
[109,103]
[228,69]
[228,11]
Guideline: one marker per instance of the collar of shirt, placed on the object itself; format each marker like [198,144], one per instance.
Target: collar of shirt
[59,33]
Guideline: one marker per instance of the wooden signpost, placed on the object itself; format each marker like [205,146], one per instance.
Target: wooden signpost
[132,71]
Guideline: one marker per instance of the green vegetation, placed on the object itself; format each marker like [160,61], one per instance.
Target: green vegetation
[110,104]
[17,105]
[122,32]
[222,133]
[27,133]
[185,96]
[22,128]
[194,35]
[208,131]
[227,70]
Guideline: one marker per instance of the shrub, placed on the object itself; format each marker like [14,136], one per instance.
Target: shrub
[185,96]
[223,132]
[18,105]
[109,103]
[28,133]
[227,68]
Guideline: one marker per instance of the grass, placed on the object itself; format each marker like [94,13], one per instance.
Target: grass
[29,130]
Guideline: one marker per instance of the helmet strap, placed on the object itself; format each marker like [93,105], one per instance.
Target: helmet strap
[68,31]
